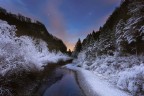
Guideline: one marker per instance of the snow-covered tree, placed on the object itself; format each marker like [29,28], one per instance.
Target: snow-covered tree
[23,53]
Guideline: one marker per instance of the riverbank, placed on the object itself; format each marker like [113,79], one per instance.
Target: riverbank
[95,85]
[26,83]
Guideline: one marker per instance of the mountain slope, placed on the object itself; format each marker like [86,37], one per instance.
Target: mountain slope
[116,50]
[123,31]
[25,26]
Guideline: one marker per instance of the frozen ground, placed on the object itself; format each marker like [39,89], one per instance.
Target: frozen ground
[95,85]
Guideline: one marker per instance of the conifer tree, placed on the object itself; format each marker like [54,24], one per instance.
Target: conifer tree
[77,48]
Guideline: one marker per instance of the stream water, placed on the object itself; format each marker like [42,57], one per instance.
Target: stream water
[61,82]
[66,86]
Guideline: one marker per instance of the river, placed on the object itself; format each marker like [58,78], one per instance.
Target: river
[60,82]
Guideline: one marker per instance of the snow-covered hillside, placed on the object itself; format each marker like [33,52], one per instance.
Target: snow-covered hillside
[116,51]
[125,72]
[23,53]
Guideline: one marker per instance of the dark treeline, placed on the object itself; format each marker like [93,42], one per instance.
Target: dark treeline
[77,49]
[31,28]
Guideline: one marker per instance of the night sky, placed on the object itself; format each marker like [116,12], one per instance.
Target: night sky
[66,19]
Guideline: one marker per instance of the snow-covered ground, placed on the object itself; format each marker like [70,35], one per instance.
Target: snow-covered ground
[24,52]
[126,72]
[95,84]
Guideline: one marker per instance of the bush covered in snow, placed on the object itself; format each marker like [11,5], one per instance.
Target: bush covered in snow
[23,53]
[132,79]
[127,72]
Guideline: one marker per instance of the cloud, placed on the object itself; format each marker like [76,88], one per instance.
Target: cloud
[56,19]
[57,23]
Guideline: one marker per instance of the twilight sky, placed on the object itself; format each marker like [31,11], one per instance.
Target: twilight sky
[66,19]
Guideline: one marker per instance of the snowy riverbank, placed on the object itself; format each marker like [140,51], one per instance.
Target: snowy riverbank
[95,85]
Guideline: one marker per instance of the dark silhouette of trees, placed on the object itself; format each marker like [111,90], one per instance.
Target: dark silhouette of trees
[78,48]
[69,52]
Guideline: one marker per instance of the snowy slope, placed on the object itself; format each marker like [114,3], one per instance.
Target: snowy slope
[126,72]
[24,52]
[116,51]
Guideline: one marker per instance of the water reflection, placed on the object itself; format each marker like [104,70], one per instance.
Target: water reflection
[66,86]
